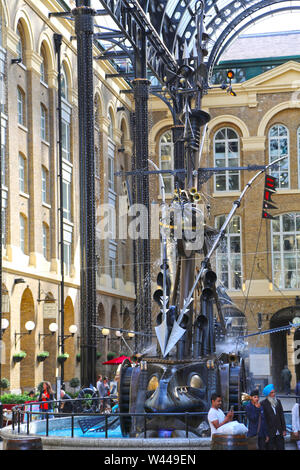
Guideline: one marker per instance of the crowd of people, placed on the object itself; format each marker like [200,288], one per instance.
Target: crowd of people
[265,419]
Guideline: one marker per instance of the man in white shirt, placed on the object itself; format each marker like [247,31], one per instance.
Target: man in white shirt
[296,423]
[216,417]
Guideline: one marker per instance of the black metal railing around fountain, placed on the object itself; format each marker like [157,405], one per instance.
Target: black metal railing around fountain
[23,416]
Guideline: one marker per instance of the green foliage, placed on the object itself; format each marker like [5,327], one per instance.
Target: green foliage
[42,355]
[111,355]
[78,357]
[75,382]
[13,399]
[4,383]
[20,354]
[63,357]
[98,355]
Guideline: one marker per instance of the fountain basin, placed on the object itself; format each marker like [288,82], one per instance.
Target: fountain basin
[62,442]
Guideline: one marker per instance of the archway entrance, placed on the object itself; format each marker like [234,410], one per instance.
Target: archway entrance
[297,362]
[282,345]
[27,342]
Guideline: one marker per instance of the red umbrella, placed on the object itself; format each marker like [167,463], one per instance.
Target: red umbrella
[117,360]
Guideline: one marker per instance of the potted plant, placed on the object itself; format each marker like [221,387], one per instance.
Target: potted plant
[74,383]
[17,357]
[78,357]
[62,357]
[98,355]
[111,355]
[4,383]
[42,356]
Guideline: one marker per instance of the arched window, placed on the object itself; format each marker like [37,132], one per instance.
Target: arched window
[110,125]
[111,154]
[298,147]
[227,154]
[1,26]
[44,65]
[279,147]
[64,84]
[285,233]
[229,254]
[20,43]
[166,159]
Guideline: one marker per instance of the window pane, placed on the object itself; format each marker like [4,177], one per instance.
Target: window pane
[220,183]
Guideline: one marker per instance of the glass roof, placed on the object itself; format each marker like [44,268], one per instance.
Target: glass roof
[224,20]
[175,21]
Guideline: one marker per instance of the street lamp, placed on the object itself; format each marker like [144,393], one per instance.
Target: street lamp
[53,327]
[72,329]
[29,326]
[4,324]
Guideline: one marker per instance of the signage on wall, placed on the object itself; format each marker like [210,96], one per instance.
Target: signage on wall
[50,310]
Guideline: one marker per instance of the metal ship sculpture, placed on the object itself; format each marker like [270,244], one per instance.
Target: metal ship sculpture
[187,369]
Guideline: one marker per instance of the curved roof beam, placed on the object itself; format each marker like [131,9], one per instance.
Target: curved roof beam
[225,41]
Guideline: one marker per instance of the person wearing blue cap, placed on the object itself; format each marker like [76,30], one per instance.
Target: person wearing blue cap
[274,418]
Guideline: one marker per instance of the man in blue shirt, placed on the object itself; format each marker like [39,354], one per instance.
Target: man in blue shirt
[256,421]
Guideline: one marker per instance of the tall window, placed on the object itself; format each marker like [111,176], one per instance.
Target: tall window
[66,140]
[227,154]
[67,257]
[166,159]
[44,133]
[23,233]
[3,150]
[45,241]
[43,67]
[64,84]
[45,185]
[279,147]
[229,258]
[22,174]
[112,263]
[20,43]
[285,232]
[298,147]
[21,106]
[67,196]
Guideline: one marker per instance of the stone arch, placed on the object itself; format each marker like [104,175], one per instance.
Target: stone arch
[70,346]
[296,349]
[114,323]
[281,343]
[49,342]
[67,67]
[124,125]
[6,335]
[272,112]
[27,342]
[98,108]
[101,342]
[5,13]
[156,131]
[45,42]
[22,17]
[126,320]
[228,119]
